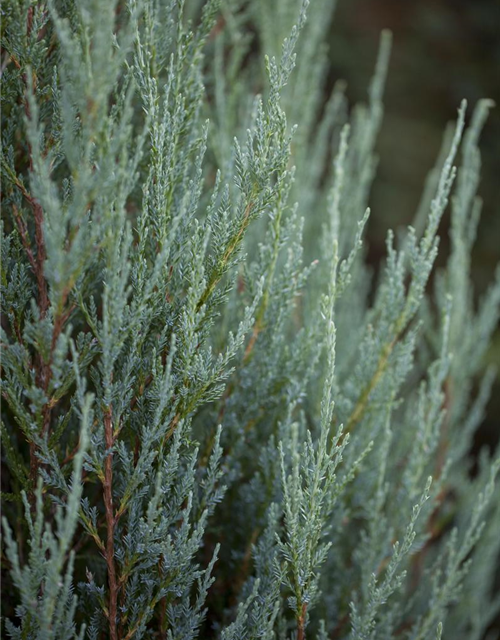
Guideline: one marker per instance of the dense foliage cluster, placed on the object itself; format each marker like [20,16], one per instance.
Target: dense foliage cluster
[218,422]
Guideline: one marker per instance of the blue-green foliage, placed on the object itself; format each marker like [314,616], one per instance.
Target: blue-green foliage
[216,422]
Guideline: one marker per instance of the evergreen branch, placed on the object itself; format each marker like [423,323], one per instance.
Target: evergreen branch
[110,524]
[228,252]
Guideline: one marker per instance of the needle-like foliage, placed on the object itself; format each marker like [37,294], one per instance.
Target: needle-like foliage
[216,422]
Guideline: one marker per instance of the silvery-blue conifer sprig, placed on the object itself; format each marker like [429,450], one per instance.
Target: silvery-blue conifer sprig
[216,422]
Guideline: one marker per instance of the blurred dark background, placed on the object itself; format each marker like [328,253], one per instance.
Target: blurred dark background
[443,51]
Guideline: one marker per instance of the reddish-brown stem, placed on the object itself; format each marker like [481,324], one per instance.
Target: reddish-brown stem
[43,298]
[110,524]
[433,528]
[23,233]
[340,626]
[301,623]
[253,339]
[29,21]
[41,257]
[163,617]
[37,264]
[219,26]
[173,423]
[163,608]
[34,465]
